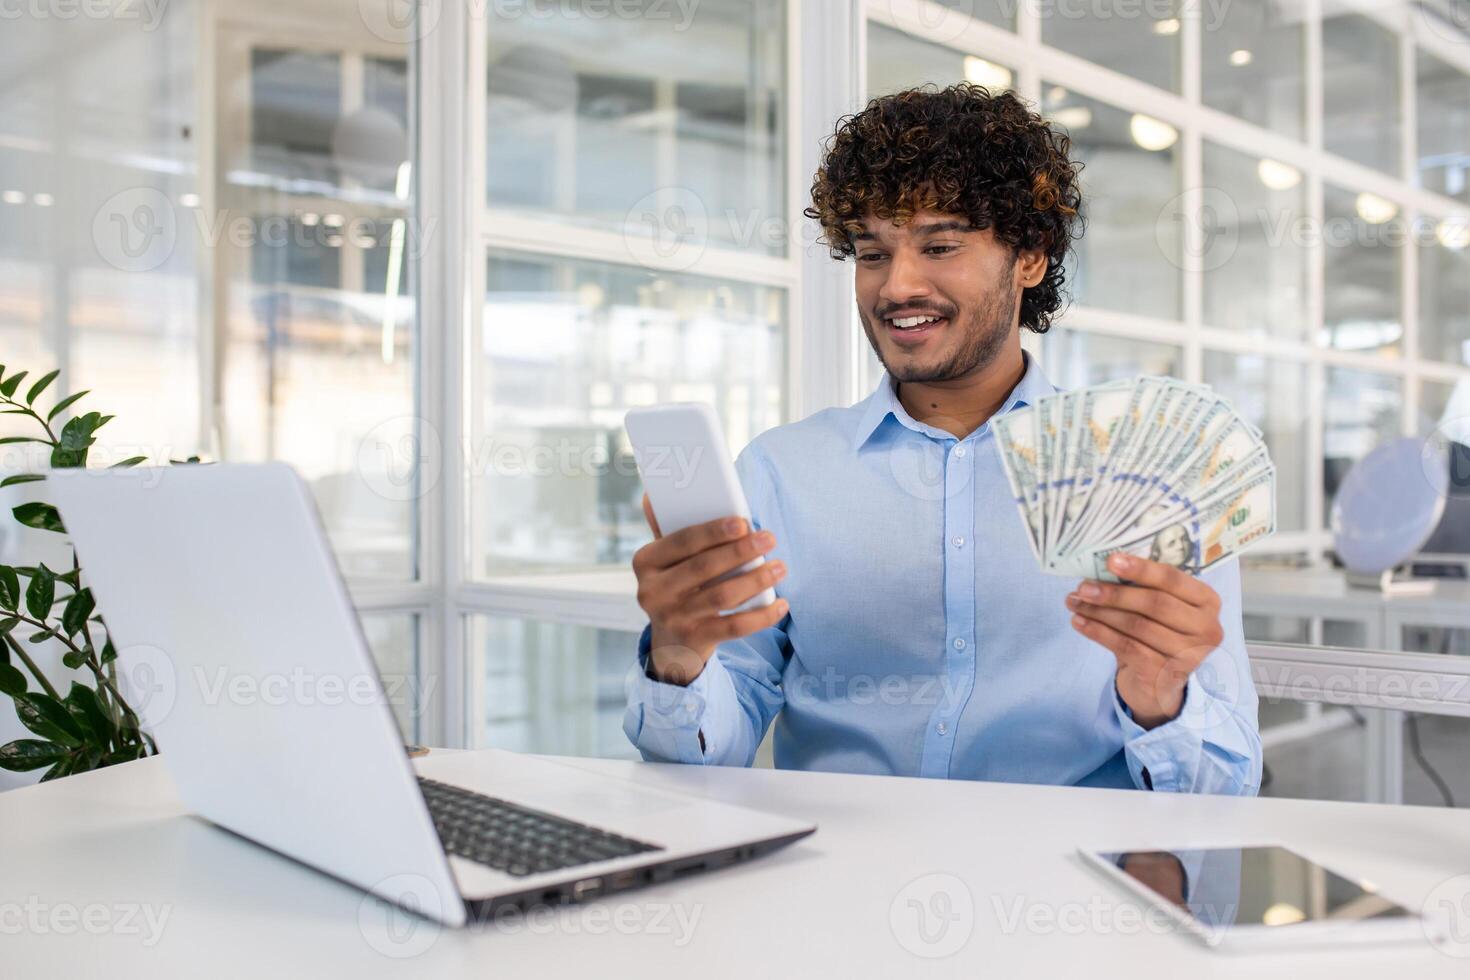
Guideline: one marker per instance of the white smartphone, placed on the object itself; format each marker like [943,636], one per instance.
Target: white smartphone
[688,474]
[1259,898]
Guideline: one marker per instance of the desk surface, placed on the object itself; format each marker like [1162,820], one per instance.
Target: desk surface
[115,846]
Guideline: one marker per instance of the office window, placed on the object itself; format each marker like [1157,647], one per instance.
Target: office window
[1361,240]
[1442,113]
[1273,395]
[394,641]
[1139,40]
[611,122]
[1360,92]
[1251,63]
[1444,294]
[1078,358]
[1363,410]
[898,61]
[569,347]
[551,687]
[1252,253]
[1129,260]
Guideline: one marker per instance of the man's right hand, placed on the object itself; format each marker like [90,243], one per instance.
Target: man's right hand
[676,589]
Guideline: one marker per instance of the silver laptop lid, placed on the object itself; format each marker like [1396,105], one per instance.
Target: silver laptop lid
[224,600]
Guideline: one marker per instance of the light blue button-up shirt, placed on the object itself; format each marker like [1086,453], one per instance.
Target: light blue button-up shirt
[922,638]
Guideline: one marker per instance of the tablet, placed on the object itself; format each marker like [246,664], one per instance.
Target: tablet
[1265,897]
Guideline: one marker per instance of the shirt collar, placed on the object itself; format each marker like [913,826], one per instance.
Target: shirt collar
[884,402]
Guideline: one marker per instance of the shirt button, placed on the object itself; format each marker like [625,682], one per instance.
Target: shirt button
[941,728]
[959,643]
[958,541]
[960,451]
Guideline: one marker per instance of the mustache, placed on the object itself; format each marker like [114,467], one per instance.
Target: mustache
[939,311]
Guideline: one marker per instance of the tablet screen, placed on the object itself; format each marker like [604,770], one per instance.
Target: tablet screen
[1270,886]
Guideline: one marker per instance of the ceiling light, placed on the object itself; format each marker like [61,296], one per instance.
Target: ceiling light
[1167,26]
[43,200]
[1453,233]
[1374,209]
[987,73]
[1073,117]
[13,197]
[1151,133]
[1283,914]
[189,200]
[1240,57]
[1277,175]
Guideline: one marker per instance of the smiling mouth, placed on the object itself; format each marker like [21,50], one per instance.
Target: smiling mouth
[908,329]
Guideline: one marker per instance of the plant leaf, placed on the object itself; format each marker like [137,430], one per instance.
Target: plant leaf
[41,593]
[109,652]
[12,440]
[8,386]
[84,706]
[40,386]
[41,516]
[62,768]
[41,636]
[62,405]
[9,587]
[130,461]
[77,609]
[73,659]
[25,754]
[12,681]
[22,478]
[45,716]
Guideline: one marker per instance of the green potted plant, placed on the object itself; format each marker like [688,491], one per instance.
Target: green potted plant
[91,725]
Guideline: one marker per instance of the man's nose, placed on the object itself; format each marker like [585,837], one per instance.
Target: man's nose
[905,281]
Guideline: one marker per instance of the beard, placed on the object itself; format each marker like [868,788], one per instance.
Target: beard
[982,337]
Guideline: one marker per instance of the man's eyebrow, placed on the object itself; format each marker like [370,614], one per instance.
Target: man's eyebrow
[939,226]
[933,228]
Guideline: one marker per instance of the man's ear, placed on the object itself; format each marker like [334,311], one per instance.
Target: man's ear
[1030,267]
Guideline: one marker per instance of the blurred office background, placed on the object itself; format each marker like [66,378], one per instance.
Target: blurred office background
[431,254]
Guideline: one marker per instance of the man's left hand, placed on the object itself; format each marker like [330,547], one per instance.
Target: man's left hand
[1160,625]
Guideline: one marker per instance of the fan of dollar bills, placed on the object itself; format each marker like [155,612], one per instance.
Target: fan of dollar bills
[1151,467]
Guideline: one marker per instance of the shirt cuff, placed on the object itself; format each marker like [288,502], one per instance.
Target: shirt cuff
[663,720]
[1165,757]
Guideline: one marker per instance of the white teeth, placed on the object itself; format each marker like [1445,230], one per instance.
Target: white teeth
[905,322]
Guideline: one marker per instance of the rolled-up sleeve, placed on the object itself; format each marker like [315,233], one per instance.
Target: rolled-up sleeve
[1214,745]
[721,716]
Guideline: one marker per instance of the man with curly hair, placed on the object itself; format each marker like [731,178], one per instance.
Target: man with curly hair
[914,633]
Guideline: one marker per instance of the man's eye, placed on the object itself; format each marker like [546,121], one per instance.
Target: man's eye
[870,257]
[940,249]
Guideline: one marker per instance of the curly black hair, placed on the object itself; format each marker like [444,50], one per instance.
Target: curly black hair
[957,150]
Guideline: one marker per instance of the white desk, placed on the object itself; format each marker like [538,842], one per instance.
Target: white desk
[821,907]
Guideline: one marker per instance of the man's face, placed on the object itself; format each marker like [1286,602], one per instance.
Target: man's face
[936,265]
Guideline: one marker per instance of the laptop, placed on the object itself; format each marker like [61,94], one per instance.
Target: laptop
[247,663]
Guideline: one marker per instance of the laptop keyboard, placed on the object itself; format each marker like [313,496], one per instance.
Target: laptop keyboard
[515,839]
